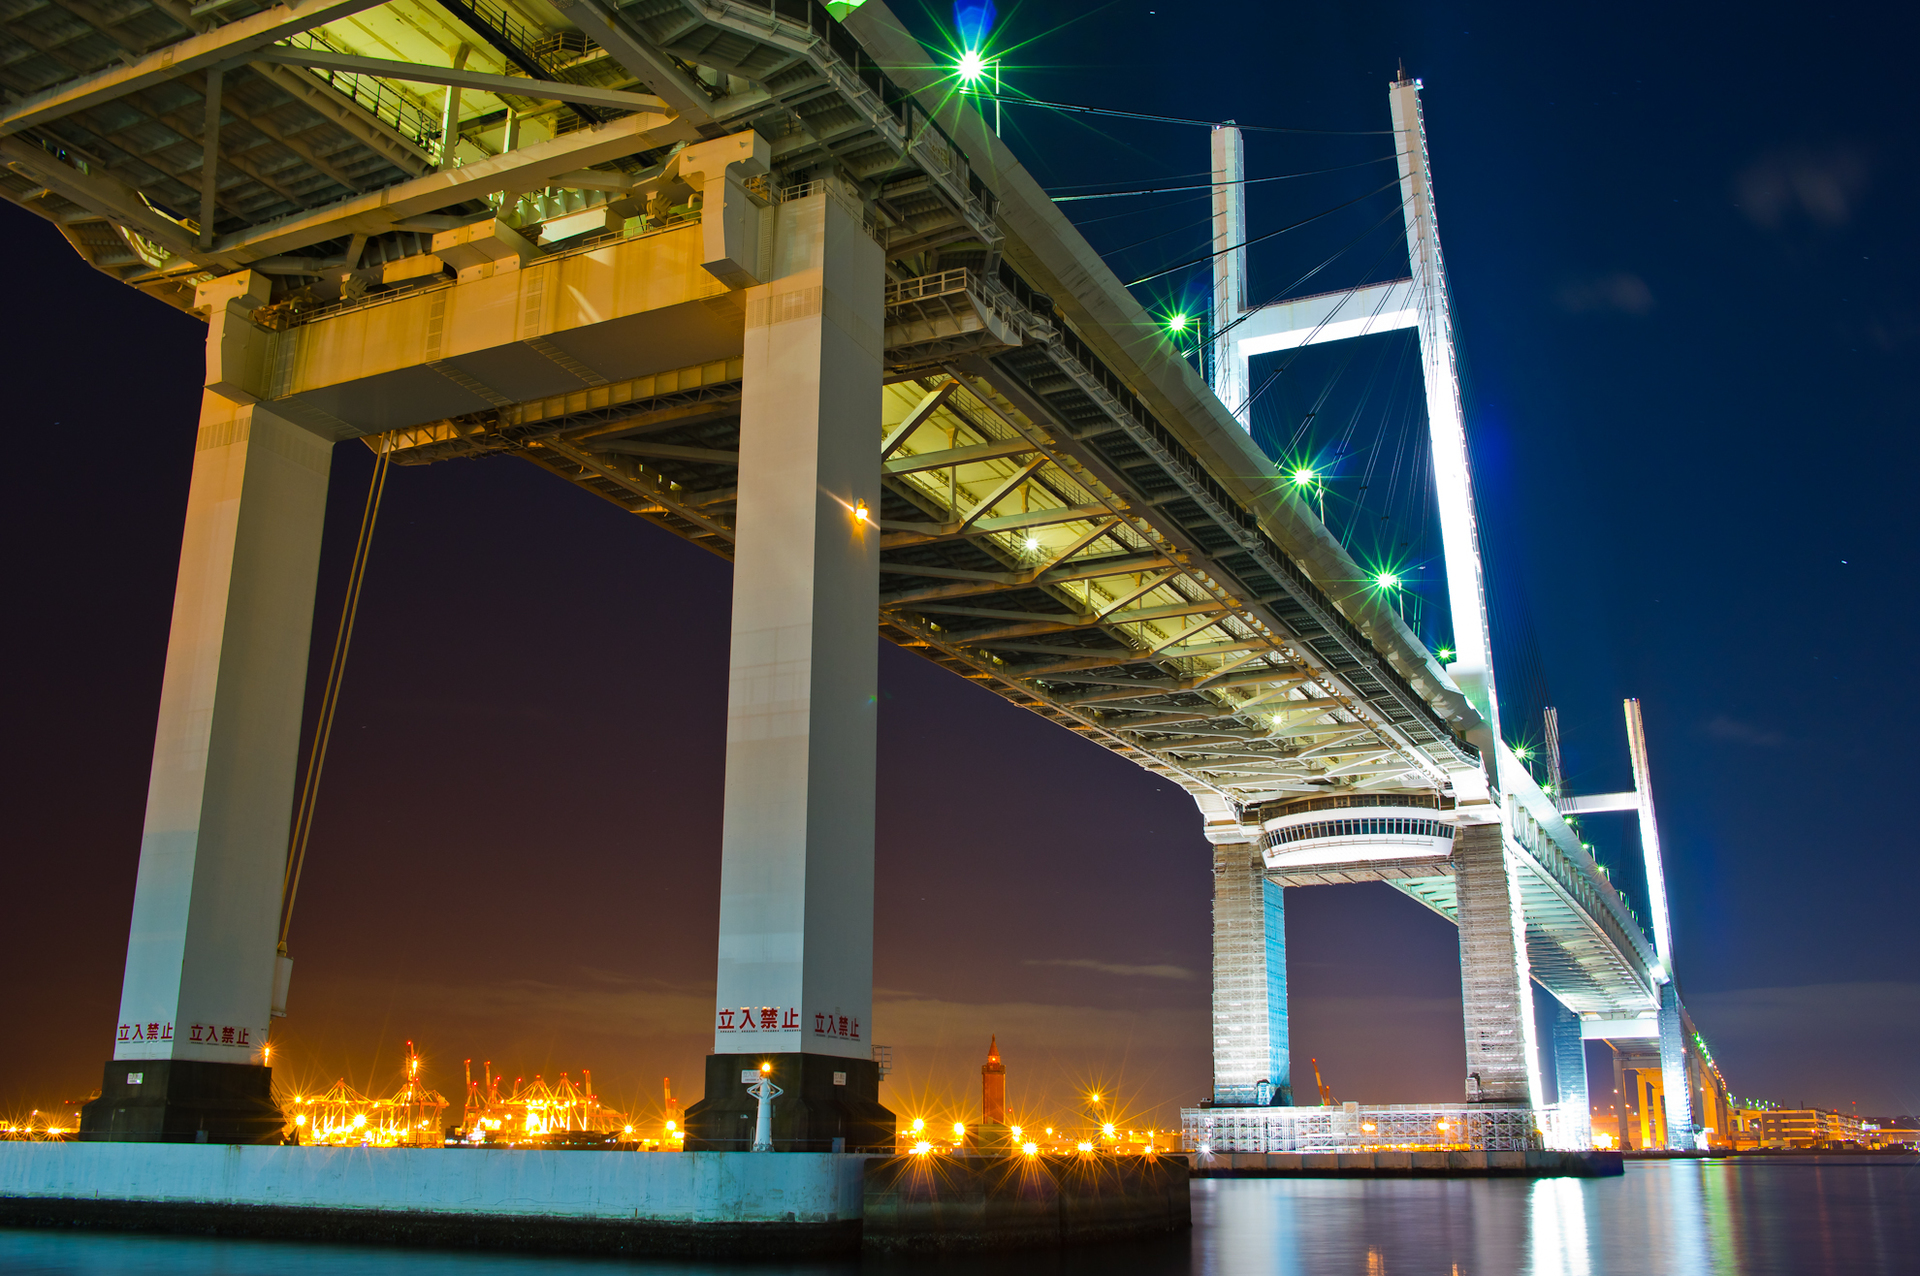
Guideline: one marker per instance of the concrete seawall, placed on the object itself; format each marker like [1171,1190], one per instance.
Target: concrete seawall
[953,1204]
[790,1204]
[1437,1164]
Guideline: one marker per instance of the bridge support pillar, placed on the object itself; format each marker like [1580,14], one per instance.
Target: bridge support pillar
[1570,1078]
[795,986]
[188,1058]
[1676,1086]
[1251,1059]
[1495,986]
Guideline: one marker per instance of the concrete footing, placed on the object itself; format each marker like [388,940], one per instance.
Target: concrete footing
[1435,1164]
[183,1101]
[827,1104]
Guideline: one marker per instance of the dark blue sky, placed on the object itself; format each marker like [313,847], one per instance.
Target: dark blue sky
[1689,299]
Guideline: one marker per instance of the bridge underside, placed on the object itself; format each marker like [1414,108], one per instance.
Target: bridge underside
[575,250]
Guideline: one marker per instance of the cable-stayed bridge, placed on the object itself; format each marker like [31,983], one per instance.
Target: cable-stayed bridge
[759,276]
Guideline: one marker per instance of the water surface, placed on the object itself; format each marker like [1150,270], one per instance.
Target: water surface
[1673,1218]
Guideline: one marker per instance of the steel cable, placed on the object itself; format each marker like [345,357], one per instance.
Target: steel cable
[330,698]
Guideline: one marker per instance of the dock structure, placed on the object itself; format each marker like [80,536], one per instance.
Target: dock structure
[749,270]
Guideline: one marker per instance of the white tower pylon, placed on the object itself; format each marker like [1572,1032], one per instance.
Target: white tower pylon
[1446,422]
[1495,976]
[1229,267]
[1676,1087]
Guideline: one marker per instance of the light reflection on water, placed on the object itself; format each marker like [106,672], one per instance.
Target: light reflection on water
[1679,1218]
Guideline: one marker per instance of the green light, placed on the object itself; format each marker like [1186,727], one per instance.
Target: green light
[1386,580]
[1445,653]
[972,68]
[1177,322]
[1522,752]
[1303,477]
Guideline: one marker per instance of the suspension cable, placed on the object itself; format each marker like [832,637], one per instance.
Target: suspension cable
[1207,186]
[330,697]
[1206,257]
[1071,109]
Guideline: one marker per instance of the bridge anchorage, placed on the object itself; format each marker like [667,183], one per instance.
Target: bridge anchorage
[751,273]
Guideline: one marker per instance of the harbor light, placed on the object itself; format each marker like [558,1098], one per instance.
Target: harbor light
[1386,580]
[959,1130]
[1107,1129]
[1030,1148]
[919,1124]
[1086,1147]
[1304,476]
[1177,321]
[922,1148]
[971,68]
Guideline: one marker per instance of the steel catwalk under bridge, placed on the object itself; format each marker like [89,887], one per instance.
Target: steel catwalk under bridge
[1072,519]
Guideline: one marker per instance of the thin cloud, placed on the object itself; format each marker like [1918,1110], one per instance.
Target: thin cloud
[1116,968]
[1734,731]
[1620,291]
[1823,185]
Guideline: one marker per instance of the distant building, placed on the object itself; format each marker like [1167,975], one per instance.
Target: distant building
[1763,1125]
[1894,1132]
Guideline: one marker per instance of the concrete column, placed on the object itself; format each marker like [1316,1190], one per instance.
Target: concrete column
[1250,1043]
[1570,1077]
[188,1058]
[1677,1090]
[1494,980]
[795,984]
[1621,1098]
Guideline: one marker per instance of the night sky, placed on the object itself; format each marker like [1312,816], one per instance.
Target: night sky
[1689,295]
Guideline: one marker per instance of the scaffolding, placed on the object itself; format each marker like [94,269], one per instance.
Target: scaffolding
[1354,1127]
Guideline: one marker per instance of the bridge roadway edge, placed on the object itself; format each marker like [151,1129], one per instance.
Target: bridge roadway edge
[709,1204]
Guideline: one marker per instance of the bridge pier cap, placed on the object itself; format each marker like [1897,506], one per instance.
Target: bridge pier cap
[795,960]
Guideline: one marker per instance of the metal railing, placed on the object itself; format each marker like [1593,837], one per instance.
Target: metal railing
[376,96]
[941,284]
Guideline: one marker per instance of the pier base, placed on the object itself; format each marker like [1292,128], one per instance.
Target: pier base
[183,1101]
[828,1104]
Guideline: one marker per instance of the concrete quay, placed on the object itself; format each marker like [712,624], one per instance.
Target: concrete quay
[957,1204]
[737,1204]
[1433,1164]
